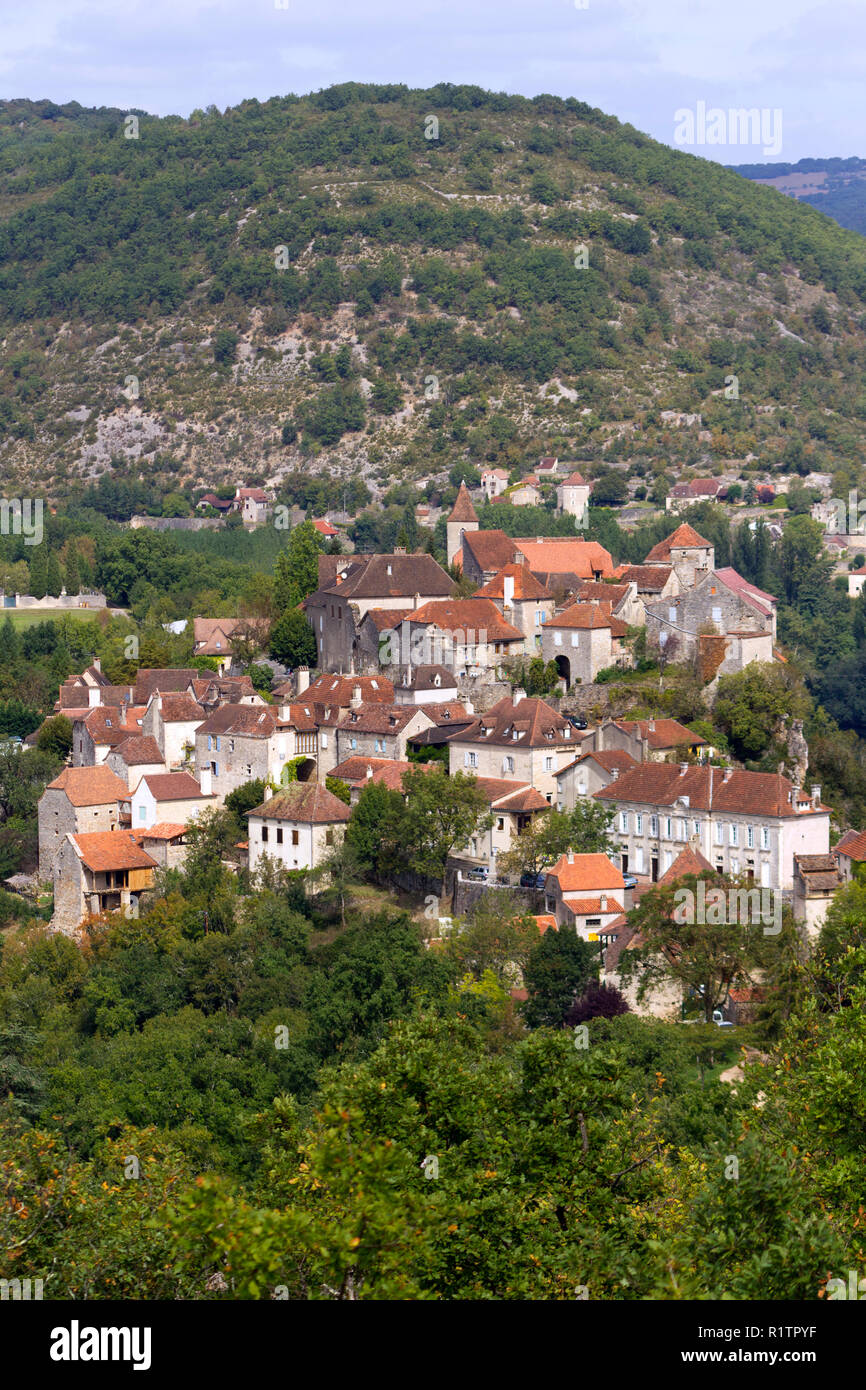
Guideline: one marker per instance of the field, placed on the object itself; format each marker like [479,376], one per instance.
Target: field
[26,617]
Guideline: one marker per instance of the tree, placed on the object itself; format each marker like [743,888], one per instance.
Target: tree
[55,736]
[338,873]
[374,830]
[590,828]
[242,800]
[539,844]
[442,814]
[72,578]
[609,488]
[752,704]
[496,936]
[559,969]
[597,1001]
[293,641]
[707,950]
[225,345]
[296,572]
[39,572]
[337,787]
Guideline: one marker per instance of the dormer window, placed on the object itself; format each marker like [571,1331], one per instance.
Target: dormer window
[389,569]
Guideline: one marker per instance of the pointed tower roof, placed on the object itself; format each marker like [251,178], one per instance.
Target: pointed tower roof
[463,509]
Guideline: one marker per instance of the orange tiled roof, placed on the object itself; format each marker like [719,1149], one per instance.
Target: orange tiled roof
[90,786]
[468,615]
[526,586]
[580,615]
[683,536]
[552,555]
[463,509]
[586,872]
[688,861]
[107,851]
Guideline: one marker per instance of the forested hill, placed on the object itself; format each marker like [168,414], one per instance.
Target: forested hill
[377,280]
[836,187]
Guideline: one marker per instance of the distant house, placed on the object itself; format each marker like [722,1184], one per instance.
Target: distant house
[426,685]
[525,495]
[527,741]
[683,495]
[468,636]
[572,496]
[297,826]
[651,581]
[254,505]
[224,505]
[646,740]
[816,878]
[169,796]
[172,720]
[377,730]
[588,773]
[582,640]
[102,871]
[103,728]
[494,481]
[213,637]
[691,556]
[513,806]
[522,601]
[856,580]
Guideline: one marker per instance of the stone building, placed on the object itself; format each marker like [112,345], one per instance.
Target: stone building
[525,741]
[691,557]
[103,871]
[234,746]
[80,800]
[175,797]
[585,892]
[714,608]
[522,601]
[582,641]
[134,758]
[379,731]
[588,774]
[172,720]
[572,496]
[297,826]
[463,518]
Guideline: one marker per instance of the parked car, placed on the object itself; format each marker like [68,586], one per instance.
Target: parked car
[529,880]
[719,1019]
[629,880]
[577,720]
[478,874]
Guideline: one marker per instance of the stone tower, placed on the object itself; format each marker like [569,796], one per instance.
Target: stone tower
[462,518]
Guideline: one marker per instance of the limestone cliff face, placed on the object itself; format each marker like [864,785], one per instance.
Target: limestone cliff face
[798,752]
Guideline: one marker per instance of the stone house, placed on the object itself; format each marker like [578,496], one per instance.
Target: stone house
[462,519]
[494,481]
[525,495]
[647,740]
[104,728]
[749,823]
[297,826]
[691,557]
[134,758]
[850,854]
[175,797]
[616,600]
[80,800]
[172,720]
[425,685]
[213,637]
[357,583]
[714,608]
[234,745]
[572,496]
[102,871]
[379,731]
[254,505]
[587,774]
[685,495]
[166,843]
[584,891]
[582,641]
[522,601]
[566,556]
[481,554]
[513,805]
[816,879]
[526,742]
[468,636]
[652,582]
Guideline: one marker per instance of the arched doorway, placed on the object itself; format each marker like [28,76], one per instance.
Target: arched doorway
[563,666]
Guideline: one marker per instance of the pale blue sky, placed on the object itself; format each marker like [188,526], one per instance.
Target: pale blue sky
[640,61]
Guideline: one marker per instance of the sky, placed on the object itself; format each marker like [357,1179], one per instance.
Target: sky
[673,68]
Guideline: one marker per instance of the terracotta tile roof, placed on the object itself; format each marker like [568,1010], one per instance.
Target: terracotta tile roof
[507,795]
[338,690]
[111,725]
[591,873]
[378,719]
[688,861]
[467,615]
[586,907]
[596,591]
[533,721]
[151,679]
[661,733]
[256,493]
[251,721]
[758,598]
[172,786]
[491,550]
[180,709]
[611,759]
[325,528]
[463,509]
[307,803]
[683,536]
[566,556]
[526,586]
[139,749]
[546,922]
[223,689]
[212,635]
[300,716]
[648,578]
[579,615]
[353,771]
[387,576]
[573,480]
[429,678]
[163,830]
[451,712]
[853,845]
[383,619]
[108,851]
[744,793]
[90,786]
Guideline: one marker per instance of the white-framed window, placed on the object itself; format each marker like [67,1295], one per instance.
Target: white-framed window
[735,866]
[575,639]
[750,836]
[668,859]
[557,639]
[623,822]
[669,828]
[735,833]
[654,825]
[696,827]
[717,615]
[639,819]
[509,764]
[538,617]
[471,759]
[672,615]
[765,837]
[682,830]
[548,764]
[720,833]
[638,859]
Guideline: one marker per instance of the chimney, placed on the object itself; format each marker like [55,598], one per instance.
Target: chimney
[816,793]
[508,590]
[416,601]
[96,663]
[684,767]
[603,902]
[93,695]
[652,726]
[726,774]
[399,550]
[205,782]
[518,695]
[158,701]
[369,773]
[570,857]
[269,791]
[614,773]
[303,679]
[356,696]
[795,795]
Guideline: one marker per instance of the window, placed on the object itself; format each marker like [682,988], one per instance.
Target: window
[696,827]
[548,764]
[354,742]
[557,639]
[672,615]
[654,825]
[538,617]
[509,764]
[638,860]
[682,830]
[471,759]
[720,833]
[669,828]
[668,858]
[765,837]
[296,838]
[279,836]
[264,834]
[639,819]
[623,822]
[231,745]
[717,615]
[217,743]
[215,769]
[142,813]
[329,837]
[575,639]
[209,743]
[735,866]
[750,836]
[500,823]
[735,834]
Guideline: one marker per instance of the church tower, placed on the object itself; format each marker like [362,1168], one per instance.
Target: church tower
[462,518]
